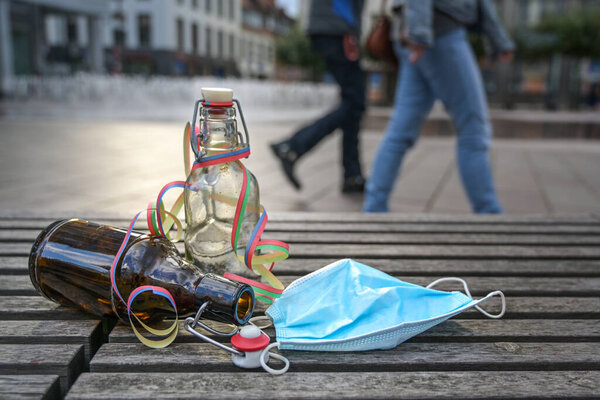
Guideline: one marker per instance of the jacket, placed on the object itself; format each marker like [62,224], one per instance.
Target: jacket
[334,17]
[418,17]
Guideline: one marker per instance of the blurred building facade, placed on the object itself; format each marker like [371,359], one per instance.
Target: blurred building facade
[262,23]
[176,37]
[167,37]
[39,37]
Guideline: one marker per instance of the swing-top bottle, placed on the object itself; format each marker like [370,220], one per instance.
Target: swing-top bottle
[212,192]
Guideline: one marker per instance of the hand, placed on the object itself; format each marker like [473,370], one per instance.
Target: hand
[416,51]
[351,49]
[506,56]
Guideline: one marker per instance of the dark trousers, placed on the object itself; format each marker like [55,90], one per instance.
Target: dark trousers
[347,116]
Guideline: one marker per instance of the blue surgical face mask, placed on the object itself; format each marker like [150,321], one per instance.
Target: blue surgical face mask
[348,306]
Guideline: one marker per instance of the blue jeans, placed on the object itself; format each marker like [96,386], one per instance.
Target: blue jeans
[448,72]
[347,116]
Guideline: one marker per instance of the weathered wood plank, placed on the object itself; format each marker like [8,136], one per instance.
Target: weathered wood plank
[366,385]
[395,218]
[29,387]
[449,356]
[36,307]
[545,239]
[443,252]
[404,251]
[297,216]
[302,266]
[85,332]
[455,330]
[275,226]
[20,285]
[540,268]
[349,225]
[416,385]
[502,239]
[15,249]
[14,265]
[17,285]
[19,308]
[64,360]
[511,286]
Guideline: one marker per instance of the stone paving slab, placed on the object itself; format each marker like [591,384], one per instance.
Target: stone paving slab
[79,167]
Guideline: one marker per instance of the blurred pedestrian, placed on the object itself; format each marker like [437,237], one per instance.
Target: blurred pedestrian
[437,62]
[333,28]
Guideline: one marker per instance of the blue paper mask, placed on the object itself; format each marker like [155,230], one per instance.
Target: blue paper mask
[348,306]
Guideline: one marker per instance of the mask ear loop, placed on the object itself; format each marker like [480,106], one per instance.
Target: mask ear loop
[468,293]
[263,354]
[263,360]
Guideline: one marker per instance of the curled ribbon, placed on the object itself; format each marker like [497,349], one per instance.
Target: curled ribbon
[171,331]
[279,250]
[160,222]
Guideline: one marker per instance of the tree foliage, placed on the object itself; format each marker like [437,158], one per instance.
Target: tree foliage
[575,34]
[295,50]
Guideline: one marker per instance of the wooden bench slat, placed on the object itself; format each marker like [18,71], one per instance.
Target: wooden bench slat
[455,330]
[585,226]
[37,308]
[405,251]
[28,387]
[443,252]
[449,356]
[275,226]
[511,286]
[85,332]
[14,265]
[28,236]
[20,285]
[303,266]
[523,286]
[540,268]
[408,385]
[494,239]
[298,216]
[64,360]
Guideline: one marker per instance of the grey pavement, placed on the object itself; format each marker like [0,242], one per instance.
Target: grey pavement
[80,168]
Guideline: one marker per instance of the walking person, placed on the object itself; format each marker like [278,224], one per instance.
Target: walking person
[437,62]
[333,28]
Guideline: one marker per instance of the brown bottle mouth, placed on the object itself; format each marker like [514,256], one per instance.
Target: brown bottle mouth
[245,306]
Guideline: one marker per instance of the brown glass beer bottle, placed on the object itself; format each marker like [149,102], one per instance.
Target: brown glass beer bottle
[70,264]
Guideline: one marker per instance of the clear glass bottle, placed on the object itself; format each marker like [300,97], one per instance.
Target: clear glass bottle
[70,264]
[212,195]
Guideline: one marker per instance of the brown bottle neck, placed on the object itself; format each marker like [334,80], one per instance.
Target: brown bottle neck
[229,301]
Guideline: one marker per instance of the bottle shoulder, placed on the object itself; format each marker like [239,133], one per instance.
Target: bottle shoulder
[213,174]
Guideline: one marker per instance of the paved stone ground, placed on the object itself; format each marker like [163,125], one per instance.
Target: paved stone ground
[83,167]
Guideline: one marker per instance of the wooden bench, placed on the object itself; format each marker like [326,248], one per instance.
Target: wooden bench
[547,345]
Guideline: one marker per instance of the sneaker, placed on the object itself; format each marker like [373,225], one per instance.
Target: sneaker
[288,158]
[354,184]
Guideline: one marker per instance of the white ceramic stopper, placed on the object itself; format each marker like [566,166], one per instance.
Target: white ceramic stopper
[250,332]
[217,95]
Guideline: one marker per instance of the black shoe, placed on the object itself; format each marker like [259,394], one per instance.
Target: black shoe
[288,158]
[354,184]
